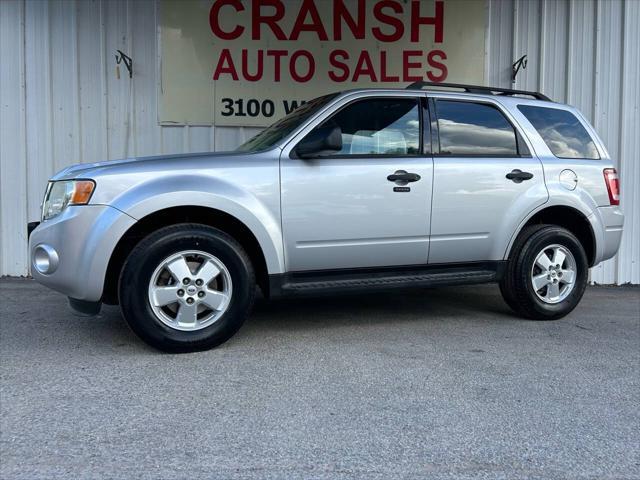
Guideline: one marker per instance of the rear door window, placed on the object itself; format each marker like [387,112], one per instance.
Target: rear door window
[563,133]
[475,129]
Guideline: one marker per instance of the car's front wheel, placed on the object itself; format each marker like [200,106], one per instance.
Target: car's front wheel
[546,273]
[186,287]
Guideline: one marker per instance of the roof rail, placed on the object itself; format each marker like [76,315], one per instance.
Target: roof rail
[478,89]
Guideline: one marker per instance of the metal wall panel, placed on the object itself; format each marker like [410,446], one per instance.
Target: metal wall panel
[629,138]
[499,50]
[13,174]
[61,101]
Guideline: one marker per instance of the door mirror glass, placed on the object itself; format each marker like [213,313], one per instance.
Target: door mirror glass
[320,141]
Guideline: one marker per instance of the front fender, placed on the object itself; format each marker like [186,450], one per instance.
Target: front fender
[258,212]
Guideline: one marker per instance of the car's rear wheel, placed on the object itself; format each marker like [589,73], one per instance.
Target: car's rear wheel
[546,273]
[186,287]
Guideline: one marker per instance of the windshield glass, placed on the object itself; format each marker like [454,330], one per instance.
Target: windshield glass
[283,127]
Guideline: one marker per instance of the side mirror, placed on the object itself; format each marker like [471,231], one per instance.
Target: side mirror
[320,140]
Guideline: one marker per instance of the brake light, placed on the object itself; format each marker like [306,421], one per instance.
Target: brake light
[613,185]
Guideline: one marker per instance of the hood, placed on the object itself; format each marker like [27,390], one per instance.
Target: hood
[120,179]
[137,164]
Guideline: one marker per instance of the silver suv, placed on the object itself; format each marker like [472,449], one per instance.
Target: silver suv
[363,189]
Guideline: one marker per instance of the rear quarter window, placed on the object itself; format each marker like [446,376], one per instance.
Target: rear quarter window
[563,133]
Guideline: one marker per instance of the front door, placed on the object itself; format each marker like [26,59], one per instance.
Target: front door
[485,181]
[367,205]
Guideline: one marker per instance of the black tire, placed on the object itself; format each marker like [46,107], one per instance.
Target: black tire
[150,252]
[516,286]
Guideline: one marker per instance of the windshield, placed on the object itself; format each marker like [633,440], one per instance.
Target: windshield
[283,127]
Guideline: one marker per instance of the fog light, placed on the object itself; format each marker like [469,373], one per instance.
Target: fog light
[45,259]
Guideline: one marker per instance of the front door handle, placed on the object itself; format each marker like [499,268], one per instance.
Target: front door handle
[402,176]
[518,176]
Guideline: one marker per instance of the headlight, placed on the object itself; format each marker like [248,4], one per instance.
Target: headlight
[67,192]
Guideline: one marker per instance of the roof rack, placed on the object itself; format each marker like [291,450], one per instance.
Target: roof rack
[478,89]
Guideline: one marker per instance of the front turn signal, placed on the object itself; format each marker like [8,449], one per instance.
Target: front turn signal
[83,189]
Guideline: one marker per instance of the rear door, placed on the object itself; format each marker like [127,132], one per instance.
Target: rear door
[486,180]
[352,209]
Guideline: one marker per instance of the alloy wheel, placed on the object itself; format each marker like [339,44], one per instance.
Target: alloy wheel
[553,274]
[190,290]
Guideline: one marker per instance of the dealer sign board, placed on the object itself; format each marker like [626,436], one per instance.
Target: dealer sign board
[249,62]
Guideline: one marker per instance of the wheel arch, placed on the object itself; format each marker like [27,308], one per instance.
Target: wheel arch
[566,217]
[184,214]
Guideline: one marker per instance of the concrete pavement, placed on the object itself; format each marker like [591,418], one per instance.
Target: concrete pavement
[439,384]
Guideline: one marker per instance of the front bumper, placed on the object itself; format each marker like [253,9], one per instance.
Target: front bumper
[70,253]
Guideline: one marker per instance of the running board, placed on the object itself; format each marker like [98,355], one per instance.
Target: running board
[300,283]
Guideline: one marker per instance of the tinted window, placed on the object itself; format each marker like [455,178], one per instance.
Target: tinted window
[271,135]
[561,131]
[379,127]
[474,129]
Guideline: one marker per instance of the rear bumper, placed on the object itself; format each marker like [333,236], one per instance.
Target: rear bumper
[612,221]
[70,253]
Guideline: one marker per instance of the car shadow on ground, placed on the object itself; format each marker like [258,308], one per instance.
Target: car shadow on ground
[473,304]
[384,307]
[56,327]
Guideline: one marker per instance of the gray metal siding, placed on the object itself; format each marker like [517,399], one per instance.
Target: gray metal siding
[62,103]
[585,53]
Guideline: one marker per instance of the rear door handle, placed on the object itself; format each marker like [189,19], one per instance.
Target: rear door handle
[403,176]
[518,176]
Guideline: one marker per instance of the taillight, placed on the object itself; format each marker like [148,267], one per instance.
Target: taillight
[613,185]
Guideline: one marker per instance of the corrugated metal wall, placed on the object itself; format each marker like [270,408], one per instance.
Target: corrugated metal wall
[585,53]
[62,103]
